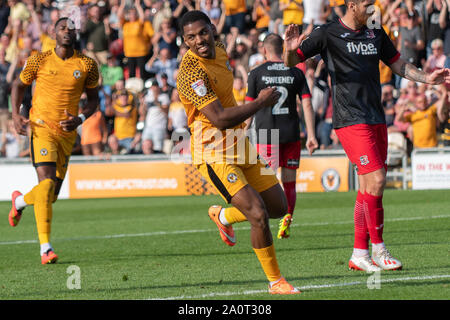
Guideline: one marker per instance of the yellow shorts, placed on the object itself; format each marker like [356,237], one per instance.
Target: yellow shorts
[47,148]
[229,178]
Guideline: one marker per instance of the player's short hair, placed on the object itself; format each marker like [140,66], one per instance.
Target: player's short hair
[193,16]
[273,43]
[354,1]
[63,19]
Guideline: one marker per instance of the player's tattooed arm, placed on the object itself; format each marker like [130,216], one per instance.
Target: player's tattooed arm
[410,72]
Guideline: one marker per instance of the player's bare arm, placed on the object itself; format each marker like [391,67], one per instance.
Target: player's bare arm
[73,121]
[17,93]
[410,72]
[292,40]
[225,118]
[308,113]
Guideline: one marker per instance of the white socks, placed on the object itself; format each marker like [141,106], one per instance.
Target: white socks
[376,247]
[20,203]
[222,218]
[45,247]
[359,253]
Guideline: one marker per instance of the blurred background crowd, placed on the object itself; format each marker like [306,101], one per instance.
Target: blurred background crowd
[138,47]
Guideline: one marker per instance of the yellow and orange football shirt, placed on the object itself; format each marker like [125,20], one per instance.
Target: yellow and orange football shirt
[125,127]
[424,127]
[136,38]
[234,7]
[292,14]
[59,85]
[201,81]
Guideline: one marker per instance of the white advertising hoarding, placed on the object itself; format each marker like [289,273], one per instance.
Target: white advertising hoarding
[430,170]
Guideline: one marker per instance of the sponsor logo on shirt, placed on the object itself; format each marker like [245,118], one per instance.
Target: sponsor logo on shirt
[345,35]
[199,88]
[361,48]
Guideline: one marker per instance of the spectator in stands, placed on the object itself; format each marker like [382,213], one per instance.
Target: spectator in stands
[436,22]
[276,18]
[261,15]
[4,93]
[240,84]
[4,14]
[257,58]
[316,13]
[111,72]
[424,119]
[412,41]
[292,13]
[388,101]
[338,9]
[96,32]
[162,62]
[136,37]
[165,38]
[177,118]
[235,15]
[124,139]
[94,134]
[211,9]
[164,85]
[155,112]
[13,145]
[437,59]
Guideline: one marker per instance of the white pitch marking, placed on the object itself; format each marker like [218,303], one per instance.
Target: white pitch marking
[163,233]
[308,287]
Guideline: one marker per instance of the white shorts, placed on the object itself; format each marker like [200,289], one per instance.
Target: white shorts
[156,135]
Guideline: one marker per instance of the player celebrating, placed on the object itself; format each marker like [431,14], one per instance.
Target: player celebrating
[61,75]
[205,85]
[283,116]
[351,51]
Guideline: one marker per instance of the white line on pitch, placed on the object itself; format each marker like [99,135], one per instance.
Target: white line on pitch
[308,287]
[163,233]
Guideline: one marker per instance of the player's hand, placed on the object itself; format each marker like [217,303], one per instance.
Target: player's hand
[311,144]
[20,124]
[439,76]
[71,123]
[292,38]
[269,96]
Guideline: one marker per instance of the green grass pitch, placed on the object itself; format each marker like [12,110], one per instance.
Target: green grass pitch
[167,247]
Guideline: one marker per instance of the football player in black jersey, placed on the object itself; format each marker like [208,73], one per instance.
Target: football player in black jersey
[278,128]
[352,48]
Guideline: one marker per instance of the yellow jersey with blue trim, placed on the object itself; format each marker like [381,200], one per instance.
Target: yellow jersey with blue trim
[59,85]
[201,81]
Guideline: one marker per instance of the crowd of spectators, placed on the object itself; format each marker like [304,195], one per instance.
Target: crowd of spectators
[138,47]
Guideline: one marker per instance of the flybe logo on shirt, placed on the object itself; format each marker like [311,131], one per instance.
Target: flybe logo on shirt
[362,48]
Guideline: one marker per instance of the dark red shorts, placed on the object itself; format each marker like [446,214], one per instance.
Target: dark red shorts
[286,155]
[365,145]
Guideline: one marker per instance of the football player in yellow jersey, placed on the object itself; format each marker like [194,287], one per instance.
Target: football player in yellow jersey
[61,75]
[205,85]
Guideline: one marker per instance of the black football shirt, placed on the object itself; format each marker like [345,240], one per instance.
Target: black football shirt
[290,82]
[352,59]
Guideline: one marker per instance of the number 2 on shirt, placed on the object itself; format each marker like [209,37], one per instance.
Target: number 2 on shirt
[278,108]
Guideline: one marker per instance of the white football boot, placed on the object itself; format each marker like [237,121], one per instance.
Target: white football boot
[385,260]
[362,263]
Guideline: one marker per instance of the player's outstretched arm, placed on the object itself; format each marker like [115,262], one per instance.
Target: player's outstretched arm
[17,93]
[225,118]
[410,72]
[308,112]
[292,40]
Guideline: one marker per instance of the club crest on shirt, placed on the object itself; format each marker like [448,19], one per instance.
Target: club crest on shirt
[370,34]
[77,74]
[43,152]
[232,178]
[364,160]
[199,88]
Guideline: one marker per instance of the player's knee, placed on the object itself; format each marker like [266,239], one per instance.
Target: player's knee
[376,184]
[258,216]
[46,191]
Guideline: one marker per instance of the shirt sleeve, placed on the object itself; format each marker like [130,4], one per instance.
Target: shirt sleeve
[30,69]
[313,45]
[389,53]
[92,74]
[251,87]
[302,84]
[193,84]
